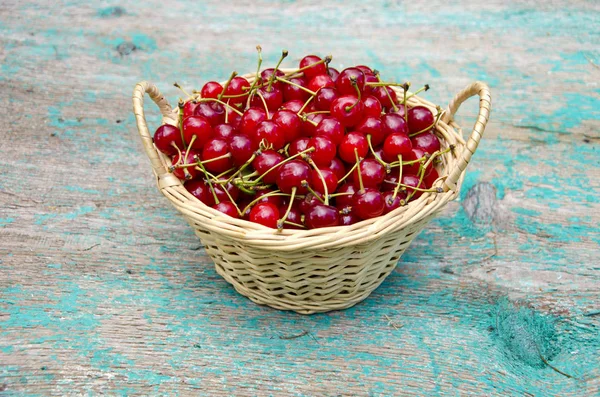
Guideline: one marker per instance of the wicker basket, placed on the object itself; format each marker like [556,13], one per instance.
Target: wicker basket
[319,270]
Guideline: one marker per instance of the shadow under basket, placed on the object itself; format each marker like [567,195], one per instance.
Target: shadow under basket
[319,270]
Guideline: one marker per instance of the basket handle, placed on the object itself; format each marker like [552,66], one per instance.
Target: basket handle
[485,105]
[142,88]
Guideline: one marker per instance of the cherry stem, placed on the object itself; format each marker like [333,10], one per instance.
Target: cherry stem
[180,119]
[182,90]
[326,191]
[287,212]
[340,194]
[222,103]
[405,88]
[264,104]
[305,185]
[325,60]
[379,159]
[295,224]
[437,118]
[243,167]
[312,93]
[360,182]
[399,179]
[347,174]
[233,74]
[304,106]
[191,143]
[172,168]
[259,50]
[208,179]
[257,199]
[284,54]
[318,112]
[310,149]
[424,88]
[386,84]
[232,201]
[355,85]
[304,117]
[222,174]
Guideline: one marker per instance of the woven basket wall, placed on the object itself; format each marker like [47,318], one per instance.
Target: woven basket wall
[318,270]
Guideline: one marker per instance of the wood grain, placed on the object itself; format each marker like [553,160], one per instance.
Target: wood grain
[104,289]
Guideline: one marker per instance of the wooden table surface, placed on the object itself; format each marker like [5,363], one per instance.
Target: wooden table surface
[105,289]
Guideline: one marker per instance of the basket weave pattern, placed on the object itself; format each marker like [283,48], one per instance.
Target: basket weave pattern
[317,270]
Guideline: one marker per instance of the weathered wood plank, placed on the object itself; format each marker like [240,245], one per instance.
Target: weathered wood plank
[104,288]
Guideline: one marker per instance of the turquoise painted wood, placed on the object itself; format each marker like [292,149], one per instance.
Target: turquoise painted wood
[105,289]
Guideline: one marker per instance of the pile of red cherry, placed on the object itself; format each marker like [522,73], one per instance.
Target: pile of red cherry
[308,148]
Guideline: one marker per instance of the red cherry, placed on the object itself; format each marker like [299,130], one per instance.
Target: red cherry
[369,78]
[320,81]
[189,158]
[396,144]
[322,215]
[212,89]
[269,132]
[314,70]
[325,96]
[348,219]
[265,214]
[345,200]
[214,148]
[390,183]
[372,106]
[275,200]
[427,142]
[200,189]
[376,153]
[211,111]
[416,154]
[266,74]
[237,86]
[292,174]
[295,215]
[330,178]
[419,119]
[308,129]
[344,81]
[371,126]
[292,92]
[165,137]
[273,98]
[401,110]
[333,73]
[367,203]
[338,167]
[241,148]
[309,201]
[324,150]
[384,99]
[299,145]
[264,162]
[233,191]
[293,106]
[250,120]
[391,203]
[412,180]
[348,110]
[289,122]
[233,118]
[365,69]
[224,131]
[189,108]
[371,172]
[353,140]
[431,178]
[332,129]
[393,123]
[199,127]
[227,208]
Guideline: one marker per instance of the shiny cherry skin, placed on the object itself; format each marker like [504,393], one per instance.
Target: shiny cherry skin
[224,131]
[237,86]
[391,202]
[372,106]
[189,158]
[348,219]
[371,126]
[416,154]
[345,200]
[298,145]
[314,70]
[383,98]
[427,142]
[348,110]
[324,152]
[367,203]
[212,89]
[275,200]
[228,208]
[189,108]
[292,92]
[338,167]
[419,119]
[309,129]
[365,69]
[309,201]
[333,73]
[395,145]
[431,178]
[344,81]
[211,111]
[393,123]
[214,148]
[233,191]
[353,140]
[372,173]
[265,214]
[166,138]
[250,120]
[291,175]
[332,129]
[331,180]
[320,81]
[289,122]
[241,148]
[269,132]
[273,98]
[199,127]
[294,216]
[266,74]
[264,162]
[412,180]
[293,105]
[325,96]
[401,110]
[200,189]
[322,215]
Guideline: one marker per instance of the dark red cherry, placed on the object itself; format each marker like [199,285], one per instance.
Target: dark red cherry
[365,69]
[348,219]
[308,129]
[369,78]
[270,133]
[333,73]
[250,120]
[419,119]
[224,131]
[211,111]
[237,86]
[189,108]
[200,189]
[293,92]
[412,180]
[227,208]
[241,148]
[401,110]
[199,127]
[427,142]
[344,81]
[416,154]
[212,89]
[332,129]
[396,145]
[377,153]
[345,200]
[431,178]
[266,74]
[189,158]
[275,200]
[289,122]
[265,214]
[166,138]
[264,162]
[325,96]
[371,126]
[372,173]
[330,178]
[298,145]
[309,201]
[216,148]
[348,110]
[233,191]
[324,150]
[291,175]
[338,167]
[322,215]
[384,99]
[232,118]
[320,81]
[353,140]
[393,123]
[294,216]
[293,106]
[367,203]
[372,106]
[273,98]
[391,202]
[314,70]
